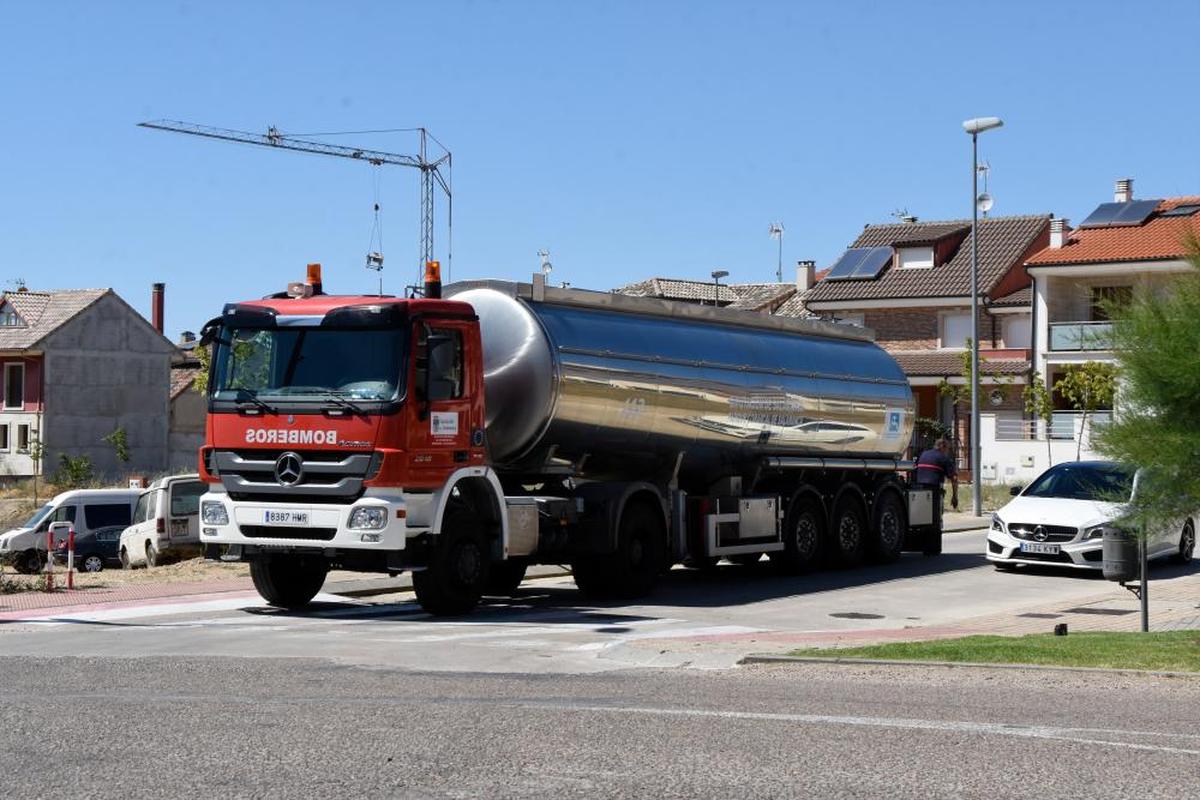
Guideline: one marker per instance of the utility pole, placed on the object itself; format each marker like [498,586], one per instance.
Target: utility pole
[776,232]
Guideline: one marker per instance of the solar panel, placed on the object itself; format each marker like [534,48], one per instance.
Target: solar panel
[873,263]
[1181,211]
[860,263]
[1112,215]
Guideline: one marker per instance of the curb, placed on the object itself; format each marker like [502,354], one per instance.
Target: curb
[887,662]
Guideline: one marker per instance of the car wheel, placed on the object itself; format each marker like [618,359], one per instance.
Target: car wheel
[30,562]
[151,555]
[91,563]
[1187,544]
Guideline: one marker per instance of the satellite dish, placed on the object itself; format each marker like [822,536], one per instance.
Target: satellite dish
[984,202]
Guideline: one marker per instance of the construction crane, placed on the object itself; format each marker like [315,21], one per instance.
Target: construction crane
[431,170]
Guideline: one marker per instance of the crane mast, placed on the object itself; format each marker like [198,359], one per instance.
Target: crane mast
[431,168]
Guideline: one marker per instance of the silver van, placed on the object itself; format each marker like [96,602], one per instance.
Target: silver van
[24,547]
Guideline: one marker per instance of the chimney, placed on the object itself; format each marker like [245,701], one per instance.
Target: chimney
[1124,191]
[187,337]
[156,305]
[806,275]
[1060,231]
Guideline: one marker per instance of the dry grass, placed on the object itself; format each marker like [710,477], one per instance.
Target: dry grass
[193,569]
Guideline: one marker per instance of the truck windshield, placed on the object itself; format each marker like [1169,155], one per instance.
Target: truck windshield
[310,364]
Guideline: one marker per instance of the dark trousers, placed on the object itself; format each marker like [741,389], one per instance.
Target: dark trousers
[932,544]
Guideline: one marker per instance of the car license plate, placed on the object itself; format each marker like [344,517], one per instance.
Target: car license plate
[286,517]
[1038,547]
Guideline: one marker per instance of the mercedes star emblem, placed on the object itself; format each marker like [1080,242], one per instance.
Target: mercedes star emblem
[1039,533]
[289,469]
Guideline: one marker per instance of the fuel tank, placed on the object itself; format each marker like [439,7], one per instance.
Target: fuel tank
[606,383]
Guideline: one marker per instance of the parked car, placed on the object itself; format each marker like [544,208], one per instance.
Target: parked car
[94,550]
[87,509]
[166,522]
[1061,517]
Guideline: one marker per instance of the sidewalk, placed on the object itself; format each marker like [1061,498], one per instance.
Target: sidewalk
[954,521]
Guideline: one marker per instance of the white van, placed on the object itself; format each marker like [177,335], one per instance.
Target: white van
[166,522]
[87,509]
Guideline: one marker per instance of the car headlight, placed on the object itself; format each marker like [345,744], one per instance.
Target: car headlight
[1097,532]
[997,523]
[368,518]
[212,512]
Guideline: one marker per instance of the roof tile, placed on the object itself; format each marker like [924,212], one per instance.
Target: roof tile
[43,313]
[1158,239]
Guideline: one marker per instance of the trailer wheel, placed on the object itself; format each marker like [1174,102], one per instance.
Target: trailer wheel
[632,571]
[457,573]
[889,530]
[287,581]
[504,578]
[849,532]
[802,537]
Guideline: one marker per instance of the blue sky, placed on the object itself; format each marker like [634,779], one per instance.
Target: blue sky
[628,138]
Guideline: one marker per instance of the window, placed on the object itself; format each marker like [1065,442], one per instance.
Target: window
[1105,298]
[101,516]
[8,317]
[453,370]
[4,438]
[23,438]
[915,257]
[142,510]
[185,498]
[956,330]
[14,385]
[1017,330]
[64,513]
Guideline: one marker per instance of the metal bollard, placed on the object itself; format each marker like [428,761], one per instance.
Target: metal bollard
[71,558]
[50,560]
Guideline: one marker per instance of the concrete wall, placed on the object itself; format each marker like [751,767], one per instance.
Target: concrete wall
[1010,462]
[105,369]
[188,412]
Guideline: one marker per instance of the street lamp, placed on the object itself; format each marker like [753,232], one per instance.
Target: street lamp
[974,127]
[717,274]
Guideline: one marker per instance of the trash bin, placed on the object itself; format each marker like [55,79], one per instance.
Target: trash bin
[1122,562]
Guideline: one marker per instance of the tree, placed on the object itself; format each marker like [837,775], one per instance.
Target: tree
[120,442]
[1087,387]
[1039,402]
[1156,339]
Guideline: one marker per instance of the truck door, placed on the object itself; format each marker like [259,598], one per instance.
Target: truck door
[440,436]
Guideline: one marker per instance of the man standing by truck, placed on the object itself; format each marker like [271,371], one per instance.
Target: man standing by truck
[934,466]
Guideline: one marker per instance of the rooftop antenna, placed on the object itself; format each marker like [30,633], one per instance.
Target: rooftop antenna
[775,231]
[902,215]
[547,267]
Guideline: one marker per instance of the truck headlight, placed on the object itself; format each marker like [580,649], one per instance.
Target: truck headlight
[997,523]
[212,512]
[368,518]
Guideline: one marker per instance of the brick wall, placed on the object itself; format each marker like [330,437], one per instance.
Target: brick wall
[904,328]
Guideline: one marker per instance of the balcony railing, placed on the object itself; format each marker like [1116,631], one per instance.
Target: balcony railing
[1080,336]
[1063,426]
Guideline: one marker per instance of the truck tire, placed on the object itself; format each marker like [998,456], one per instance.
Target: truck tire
[632,571]
[848,534]
[504,578]
[803,536]
[457,573]
[287,581]
[889,530]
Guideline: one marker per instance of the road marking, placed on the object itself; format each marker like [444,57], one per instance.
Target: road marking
[947,726]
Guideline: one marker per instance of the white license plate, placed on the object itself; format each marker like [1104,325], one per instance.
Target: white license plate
[285,517]
[1038,547]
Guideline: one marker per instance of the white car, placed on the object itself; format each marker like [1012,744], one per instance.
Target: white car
[1060,519]
[166,522]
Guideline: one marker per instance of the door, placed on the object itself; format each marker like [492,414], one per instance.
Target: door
[64,513]
[134,538]
[183,510]
[441,435]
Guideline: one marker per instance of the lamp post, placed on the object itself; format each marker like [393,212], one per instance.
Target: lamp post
[776,232]
[974,127]
[717,274]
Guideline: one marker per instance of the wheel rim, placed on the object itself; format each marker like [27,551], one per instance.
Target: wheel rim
[849,532]
[889,528]
[467,564]
[806,535]
[92,564]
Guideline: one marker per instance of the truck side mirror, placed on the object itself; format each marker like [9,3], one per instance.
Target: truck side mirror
[439,372]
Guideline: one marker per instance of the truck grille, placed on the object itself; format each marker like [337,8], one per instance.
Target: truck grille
[1053,533]
[267,532]
[324,476]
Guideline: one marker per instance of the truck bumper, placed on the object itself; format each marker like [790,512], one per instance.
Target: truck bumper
[316,525]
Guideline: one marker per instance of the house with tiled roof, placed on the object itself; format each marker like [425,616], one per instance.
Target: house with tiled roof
[910,283]
[75,365]
[1123,248]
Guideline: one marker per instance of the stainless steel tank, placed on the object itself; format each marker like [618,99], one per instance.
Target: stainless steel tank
[607,382]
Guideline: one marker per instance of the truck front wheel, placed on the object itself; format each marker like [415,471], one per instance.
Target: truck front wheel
[457,573]
[287,581]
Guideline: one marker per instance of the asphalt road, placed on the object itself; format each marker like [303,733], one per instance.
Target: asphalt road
[173,728]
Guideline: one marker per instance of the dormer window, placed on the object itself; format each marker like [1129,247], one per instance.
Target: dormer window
[915,257]
[9,318]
